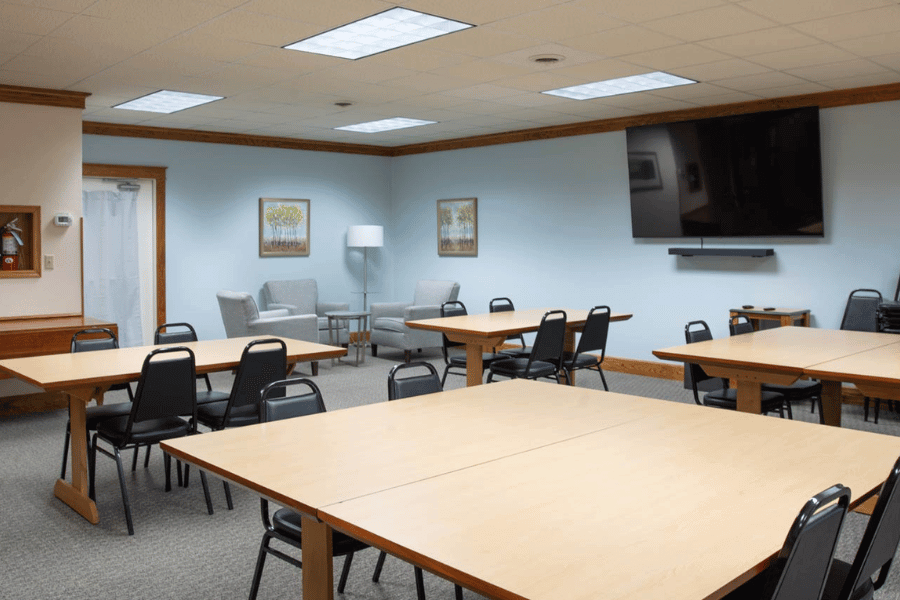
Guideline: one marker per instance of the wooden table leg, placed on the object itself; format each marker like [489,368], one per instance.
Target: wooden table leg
[569,346]
[831,403]
[749,396]
[75,494]
[474,366]
[787,320]
[318,575]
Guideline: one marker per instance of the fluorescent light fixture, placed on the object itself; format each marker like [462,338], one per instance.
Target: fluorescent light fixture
[167,101]
[385,31]
[622,85]
[385,125]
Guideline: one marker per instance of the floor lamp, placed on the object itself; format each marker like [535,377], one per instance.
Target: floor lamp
[365,237]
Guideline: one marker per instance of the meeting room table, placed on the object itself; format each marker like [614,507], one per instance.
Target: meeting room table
[526,490]
[484,332]
[783,355]
[85,376]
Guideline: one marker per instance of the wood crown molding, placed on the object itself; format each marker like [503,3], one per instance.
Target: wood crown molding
[44,97]
[831,99]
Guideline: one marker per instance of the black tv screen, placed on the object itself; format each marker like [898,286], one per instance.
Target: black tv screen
[751,175]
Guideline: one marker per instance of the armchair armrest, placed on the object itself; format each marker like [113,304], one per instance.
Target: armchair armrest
[284,311]
[414,313]
[388,309]
[297,327]
[292,310]
[324,307]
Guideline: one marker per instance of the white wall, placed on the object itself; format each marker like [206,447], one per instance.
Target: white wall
[555,230]
[212,219]
[40,148]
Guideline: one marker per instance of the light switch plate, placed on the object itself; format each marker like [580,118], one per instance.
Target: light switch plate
[48,262]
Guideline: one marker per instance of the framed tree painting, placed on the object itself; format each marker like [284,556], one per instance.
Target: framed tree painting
[457,227]
[283,227]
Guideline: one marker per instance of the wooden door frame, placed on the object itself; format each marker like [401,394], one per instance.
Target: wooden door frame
[157,174]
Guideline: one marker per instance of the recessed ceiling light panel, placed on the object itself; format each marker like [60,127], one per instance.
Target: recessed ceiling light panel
[167,101]
[622,85]
[385,31]
[385,125]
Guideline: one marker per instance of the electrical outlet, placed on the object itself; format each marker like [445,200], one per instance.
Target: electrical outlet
[48,262]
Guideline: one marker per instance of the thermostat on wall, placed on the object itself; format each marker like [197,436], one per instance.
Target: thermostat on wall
[63,219]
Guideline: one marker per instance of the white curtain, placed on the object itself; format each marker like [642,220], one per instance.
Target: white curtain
[112,286]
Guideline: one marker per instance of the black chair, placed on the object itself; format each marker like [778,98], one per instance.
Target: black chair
[179,333]
[285,525]
[593,338]
[262,362]
[876,549]
[96,414]
[546,355]
[506,305]
[165,391]
[408,387]
[799,391]
[861,314]
[721,396]
[800,570]
[458,361]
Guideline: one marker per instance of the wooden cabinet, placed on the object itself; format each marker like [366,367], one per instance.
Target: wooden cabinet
[28,260]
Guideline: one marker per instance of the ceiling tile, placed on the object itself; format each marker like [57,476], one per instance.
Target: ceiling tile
[864,80]
[482,71]
[722,69]
[799,89]
[479,41]
[765,40]
[762,81]
[368,72]
[478,12]
[184,12]
[728,98]
[326,15]
[12,42]
[211,47]
[674,56]
[709,23]
[88,30]
[417,57]
[624,40]
[841,70]
[485,91]
[854,25]
[872,45]
[539,82]
[258,28]
[891,61]
[692,92]
[599,70]
[793,11]
[638,12]
[557,22]
[801,57]
[69,6]
[28,19]
[428,83]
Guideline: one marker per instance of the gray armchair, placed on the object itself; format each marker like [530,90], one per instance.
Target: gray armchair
[242,318]
[389,318]
[301,297]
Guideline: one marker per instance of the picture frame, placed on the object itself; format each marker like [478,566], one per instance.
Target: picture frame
[283,227]
[457,227]
[643,171]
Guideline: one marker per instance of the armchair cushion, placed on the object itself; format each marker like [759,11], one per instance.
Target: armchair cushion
[242,318]
[389,318]
[435,292]
[302,294]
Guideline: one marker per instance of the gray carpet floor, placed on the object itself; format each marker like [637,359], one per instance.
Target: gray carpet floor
[181,552]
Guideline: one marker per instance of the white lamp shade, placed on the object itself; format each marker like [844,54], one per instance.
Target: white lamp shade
[365,236]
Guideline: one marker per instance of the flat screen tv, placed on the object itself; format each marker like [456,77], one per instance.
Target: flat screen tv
[751,175]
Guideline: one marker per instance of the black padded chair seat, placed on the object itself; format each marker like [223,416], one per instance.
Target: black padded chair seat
[799,390]
[213,413]
[583,361]
[94,415]
[144,432]
[287,522]
[727,398]
[516,352]
[487,358]
[204,397]
[515,367]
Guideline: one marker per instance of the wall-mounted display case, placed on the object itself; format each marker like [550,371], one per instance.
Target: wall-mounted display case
[20,253]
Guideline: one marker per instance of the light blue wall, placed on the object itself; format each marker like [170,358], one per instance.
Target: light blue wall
[212,219]
[554,229]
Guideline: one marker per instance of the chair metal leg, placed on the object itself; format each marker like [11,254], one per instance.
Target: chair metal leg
[602,378]
[458,591]
[818,401]
[260,563]
[315,367]
[137,452]
[125,502]
[167,461]
[375,350]
[866,408]
[342,582]
[789,411]
[147,456]
[877,409]
[62,473]
[378,565]
[444,378]
[420,584]
[228,495]
[92,468]
[209,506]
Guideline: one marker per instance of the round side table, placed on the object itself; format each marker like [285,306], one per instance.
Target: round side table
[335,318]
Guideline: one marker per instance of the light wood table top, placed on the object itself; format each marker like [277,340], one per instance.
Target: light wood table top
[875,372]
[781,356]
[504,323]
[528,490]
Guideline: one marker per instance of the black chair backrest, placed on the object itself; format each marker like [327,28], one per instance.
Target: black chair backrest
[452,309]
[861,312]
[801,569]
[694,375]
[415,385]
[276,404]
[107,342]
[166,387]
[880,540]
[506,305]
[550,339]
[186,334]
[596,330]
[259,367]
[740,325]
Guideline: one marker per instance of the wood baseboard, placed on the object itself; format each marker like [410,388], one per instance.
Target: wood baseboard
[11,406]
